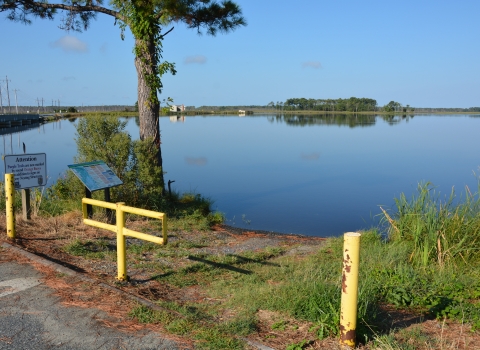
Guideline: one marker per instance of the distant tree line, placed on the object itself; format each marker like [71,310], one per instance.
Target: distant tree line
[352,104]
[393,106]
[433,109]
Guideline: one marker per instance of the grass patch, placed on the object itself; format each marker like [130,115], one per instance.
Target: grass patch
[208,335]
[91,249]
[146,315]
[142,248]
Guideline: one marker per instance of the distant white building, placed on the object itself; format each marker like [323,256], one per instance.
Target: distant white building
[177,108]
[174,119]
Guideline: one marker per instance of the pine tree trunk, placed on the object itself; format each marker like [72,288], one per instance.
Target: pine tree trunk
[148,107]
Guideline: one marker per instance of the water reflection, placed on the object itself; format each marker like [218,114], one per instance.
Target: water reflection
[350,120]
[311,156]
[200,161]
[396,119]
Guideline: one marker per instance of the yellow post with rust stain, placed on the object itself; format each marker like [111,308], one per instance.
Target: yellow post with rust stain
[348,312]
[121,244]
[9,201]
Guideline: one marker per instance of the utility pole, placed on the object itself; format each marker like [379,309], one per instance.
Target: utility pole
[16,103]
[8,94]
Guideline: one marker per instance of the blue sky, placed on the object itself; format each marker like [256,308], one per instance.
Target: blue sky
[424,53]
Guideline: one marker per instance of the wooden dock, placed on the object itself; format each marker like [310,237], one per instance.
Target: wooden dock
[12,120]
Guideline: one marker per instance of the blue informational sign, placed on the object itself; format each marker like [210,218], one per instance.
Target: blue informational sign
[95,175]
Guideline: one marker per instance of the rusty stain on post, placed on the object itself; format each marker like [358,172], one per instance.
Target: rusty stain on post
[348,312]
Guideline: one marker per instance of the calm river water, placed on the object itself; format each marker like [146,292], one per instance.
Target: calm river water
[319,176]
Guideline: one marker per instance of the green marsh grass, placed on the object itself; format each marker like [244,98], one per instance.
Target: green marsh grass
[441,231]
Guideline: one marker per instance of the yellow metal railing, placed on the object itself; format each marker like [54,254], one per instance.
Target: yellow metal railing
[121,230]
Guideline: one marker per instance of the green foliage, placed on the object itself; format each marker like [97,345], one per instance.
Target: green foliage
[104,138]
[298,346]
[393,106]
[438,294]
[280,325]
[353,104]
[67,187]
[441,232]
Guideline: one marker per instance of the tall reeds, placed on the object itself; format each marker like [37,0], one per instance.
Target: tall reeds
[442,231]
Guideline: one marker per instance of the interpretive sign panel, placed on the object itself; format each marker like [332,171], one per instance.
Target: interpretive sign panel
[95,175]
[29,170]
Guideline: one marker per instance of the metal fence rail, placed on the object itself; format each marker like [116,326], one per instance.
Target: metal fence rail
[122,231]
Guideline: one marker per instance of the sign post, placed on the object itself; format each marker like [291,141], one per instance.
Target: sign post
[29,170]
[96,176]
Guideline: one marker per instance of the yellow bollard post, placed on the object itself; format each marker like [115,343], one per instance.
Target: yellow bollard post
[164,229]
[9,201]
[348,312]
[121,244]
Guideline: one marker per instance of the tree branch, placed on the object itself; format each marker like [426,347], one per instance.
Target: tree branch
[163,35]
[35,8]
[79,8]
